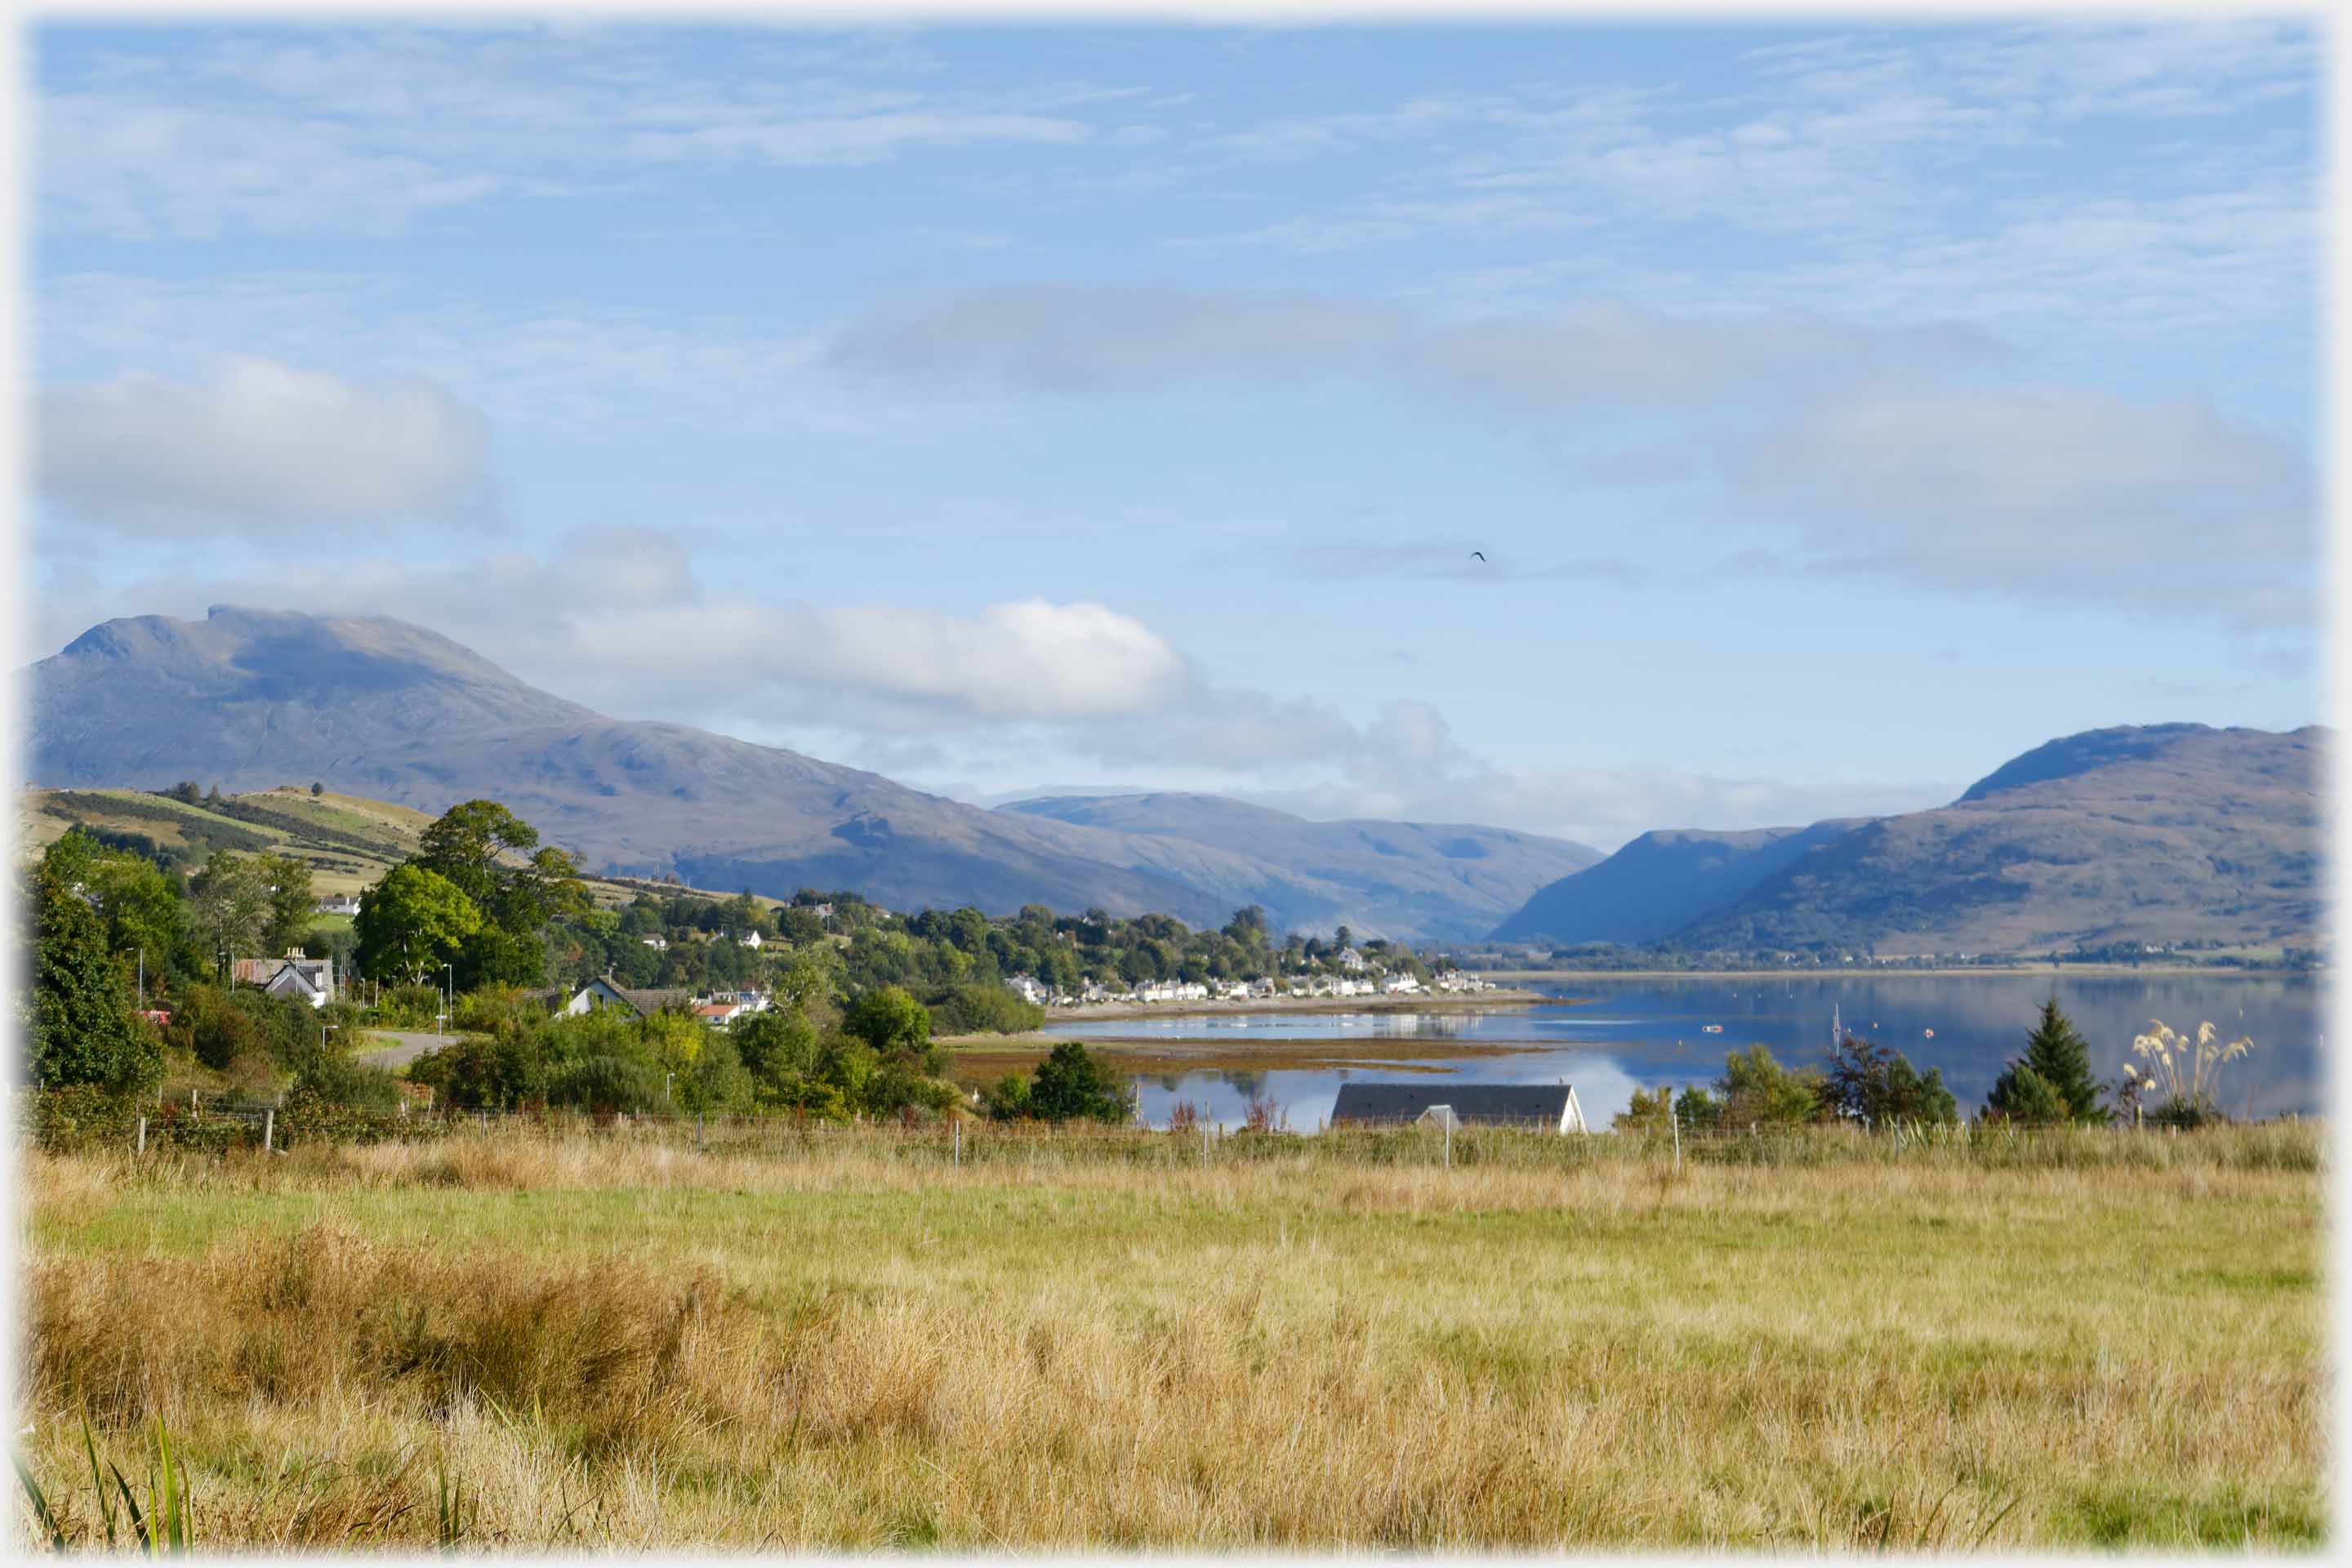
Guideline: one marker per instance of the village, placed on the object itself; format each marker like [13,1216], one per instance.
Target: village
[313,981]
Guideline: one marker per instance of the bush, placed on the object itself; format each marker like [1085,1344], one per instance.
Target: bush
[1758,1091]
[984,1010]
[1070,1085]
[604,1085]
[501,1072]
[890,1021]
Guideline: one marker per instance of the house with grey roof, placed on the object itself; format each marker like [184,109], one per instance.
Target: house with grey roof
[1533,1107]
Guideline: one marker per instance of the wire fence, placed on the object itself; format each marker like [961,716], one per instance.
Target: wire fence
[225,1125]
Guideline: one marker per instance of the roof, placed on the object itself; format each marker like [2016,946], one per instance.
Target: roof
[650,1002]
[1473,1104]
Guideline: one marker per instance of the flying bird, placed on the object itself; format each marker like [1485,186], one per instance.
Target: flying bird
[1479,553]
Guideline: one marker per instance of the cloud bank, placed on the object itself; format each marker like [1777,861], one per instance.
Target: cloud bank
[264,449]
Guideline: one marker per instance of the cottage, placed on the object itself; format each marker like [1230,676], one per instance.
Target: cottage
[1550,1108]
[311,980]
[718,1014]
[337,904]
[1029,988]
[1350,960]
[750,939]
[644,1003]
[658,943]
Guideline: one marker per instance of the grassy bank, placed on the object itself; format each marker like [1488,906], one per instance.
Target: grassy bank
[2085,1339]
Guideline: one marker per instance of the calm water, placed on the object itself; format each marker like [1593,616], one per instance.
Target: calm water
[1629,1034]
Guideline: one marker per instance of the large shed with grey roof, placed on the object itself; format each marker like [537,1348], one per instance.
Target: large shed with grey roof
[1534,1106]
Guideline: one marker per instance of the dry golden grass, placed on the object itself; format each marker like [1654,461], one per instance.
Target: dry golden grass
[625,1342]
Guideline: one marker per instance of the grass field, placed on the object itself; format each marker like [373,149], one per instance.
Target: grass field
[2095,1341]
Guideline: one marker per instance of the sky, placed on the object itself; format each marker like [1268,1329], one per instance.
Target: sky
[1839,409]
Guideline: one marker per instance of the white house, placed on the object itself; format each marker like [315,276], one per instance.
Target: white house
[337,904]
[605,994]
[311,980]
[658,943]
[1396,985]
[1350,960]
[1029,988]
[749,939]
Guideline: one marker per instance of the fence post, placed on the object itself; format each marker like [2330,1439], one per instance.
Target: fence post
[268,1128]
[959,1141]
[1449,1139]
[143,1136]
[1675,1122]
[698,1132]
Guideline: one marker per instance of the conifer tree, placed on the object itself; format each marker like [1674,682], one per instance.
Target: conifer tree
[2057,1057]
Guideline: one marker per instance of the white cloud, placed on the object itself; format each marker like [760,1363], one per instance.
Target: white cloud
[1856,446]
[367,133]
[2013,487]
[1600,354]
[264,448]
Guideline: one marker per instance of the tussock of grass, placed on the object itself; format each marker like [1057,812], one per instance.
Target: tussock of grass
[622,1342]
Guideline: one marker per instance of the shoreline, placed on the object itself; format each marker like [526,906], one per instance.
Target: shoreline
[2096,970]
[1119,1011]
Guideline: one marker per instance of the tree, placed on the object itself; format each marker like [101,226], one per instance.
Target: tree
[1646,1113]
[889,1021]
[317,790]
[2028,1098]
[229,902]
[1070,1085]
[1870,1083]
[1756,1090]
[471,843]
[412,922]
[286,878]
[777,1045]
[2056,1054]
[79,1028]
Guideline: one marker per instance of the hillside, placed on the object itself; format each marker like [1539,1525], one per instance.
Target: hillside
[349,841]
[1661,882]
[374,707]
[2159,834]
[1440,875]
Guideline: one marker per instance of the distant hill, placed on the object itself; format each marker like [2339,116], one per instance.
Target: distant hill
[2160,834]
[1449,880]
[377,708]
[1661,882]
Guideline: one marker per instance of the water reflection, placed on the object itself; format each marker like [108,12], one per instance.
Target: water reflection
[1630,1033]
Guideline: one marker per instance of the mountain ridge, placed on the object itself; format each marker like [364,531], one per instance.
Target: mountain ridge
[2160,834]
[373,705]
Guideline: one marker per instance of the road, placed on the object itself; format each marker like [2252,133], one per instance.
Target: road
[406,1047]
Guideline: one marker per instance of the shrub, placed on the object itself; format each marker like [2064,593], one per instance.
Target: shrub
[1070,1085]
[605,1084]
[1758,1091]
[1872,1084]
[984,1009]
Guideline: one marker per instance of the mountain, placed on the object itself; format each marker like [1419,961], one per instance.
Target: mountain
[2159,834]
[1662,882]
[1366,874]
[375,706]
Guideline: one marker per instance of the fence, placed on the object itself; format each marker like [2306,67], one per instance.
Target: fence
[69,1121]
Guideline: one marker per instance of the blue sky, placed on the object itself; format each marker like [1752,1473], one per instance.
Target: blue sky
[1840,409]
